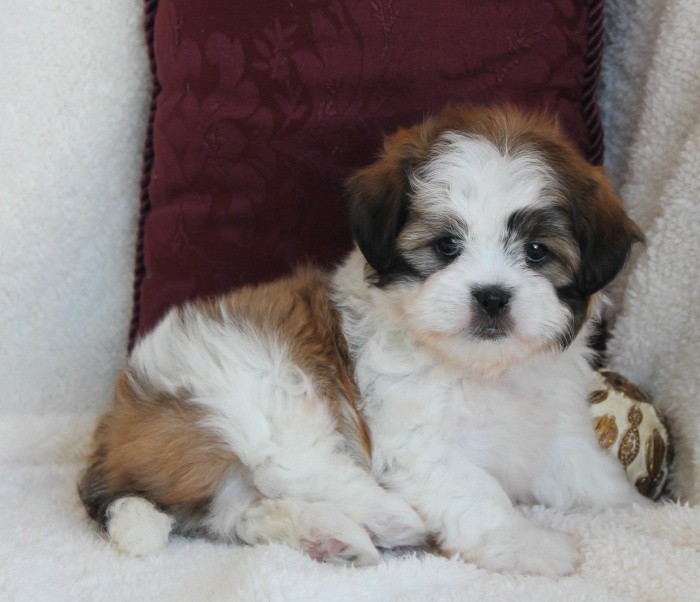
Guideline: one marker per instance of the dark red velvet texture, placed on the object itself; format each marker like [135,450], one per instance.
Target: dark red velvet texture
[263,108]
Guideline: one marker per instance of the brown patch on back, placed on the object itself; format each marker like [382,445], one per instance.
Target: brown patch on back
[153,444]
[298,312]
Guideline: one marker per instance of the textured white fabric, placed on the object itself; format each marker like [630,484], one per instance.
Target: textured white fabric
[73,100]
[50,551]
[74,91]
[651,102]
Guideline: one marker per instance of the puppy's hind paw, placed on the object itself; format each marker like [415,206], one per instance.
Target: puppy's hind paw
[336,551]
[526,549]
[331,536]
[394,523]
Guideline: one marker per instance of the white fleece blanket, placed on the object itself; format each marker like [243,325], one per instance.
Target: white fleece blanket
[73,97]
[49,550]
[651,101]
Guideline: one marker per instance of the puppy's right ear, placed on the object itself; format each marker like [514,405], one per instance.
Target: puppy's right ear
[379,199]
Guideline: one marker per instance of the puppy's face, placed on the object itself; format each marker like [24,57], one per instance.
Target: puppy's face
[487,233]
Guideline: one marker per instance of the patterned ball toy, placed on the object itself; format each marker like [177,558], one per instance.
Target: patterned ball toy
[629,427]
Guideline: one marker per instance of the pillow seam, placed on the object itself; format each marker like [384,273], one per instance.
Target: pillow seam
[150,9]
[591,75]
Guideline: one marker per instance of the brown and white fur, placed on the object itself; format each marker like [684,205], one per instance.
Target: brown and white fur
[435,379]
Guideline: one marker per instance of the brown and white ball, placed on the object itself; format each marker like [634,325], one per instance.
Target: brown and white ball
[630,428]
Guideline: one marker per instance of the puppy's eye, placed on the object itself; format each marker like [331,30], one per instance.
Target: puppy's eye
[536,252]
[448,247]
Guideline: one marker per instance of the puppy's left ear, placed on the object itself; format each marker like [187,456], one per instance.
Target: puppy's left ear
[606,234]
[378,196]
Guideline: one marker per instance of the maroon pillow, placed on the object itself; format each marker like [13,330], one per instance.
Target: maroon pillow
[261,109]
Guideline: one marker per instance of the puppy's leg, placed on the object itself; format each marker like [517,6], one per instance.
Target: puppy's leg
[294,450]
[472,516]
[334,478]
[578,473]
[317,528]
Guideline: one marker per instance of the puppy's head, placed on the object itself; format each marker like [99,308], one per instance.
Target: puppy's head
[486,231]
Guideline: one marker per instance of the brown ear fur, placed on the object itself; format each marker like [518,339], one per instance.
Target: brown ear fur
[379,196]
[604,231]
[606,234]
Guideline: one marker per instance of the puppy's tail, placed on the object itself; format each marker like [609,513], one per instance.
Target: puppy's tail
[132,523]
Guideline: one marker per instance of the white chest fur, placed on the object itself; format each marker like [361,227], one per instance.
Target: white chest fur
[421,409]
[503,423]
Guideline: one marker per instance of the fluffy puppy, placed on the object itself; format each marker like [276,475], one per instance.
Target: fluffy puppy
[437,377]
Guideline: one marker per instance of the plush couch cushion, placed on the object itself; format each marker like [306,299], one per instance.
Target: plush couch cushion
[261,109]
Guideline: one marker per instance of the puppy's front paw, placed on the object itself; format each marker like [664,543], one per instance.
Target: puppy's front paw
[526,548]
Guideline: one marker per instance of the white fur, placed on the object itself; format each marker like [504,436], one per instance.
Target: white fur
[462,448]
[267,410]
[320,529]
[461,428]
[137,527]
[472,181]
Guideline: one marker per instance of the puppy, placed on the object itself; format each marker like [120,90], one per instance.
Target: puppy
[436,378]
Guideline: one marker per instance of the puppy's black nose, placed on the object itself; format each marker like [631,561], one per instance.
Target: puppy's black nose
[493,301]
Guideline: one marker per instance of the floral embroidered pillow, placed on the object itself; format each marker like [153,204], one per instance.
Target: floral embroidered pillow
[262,109]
